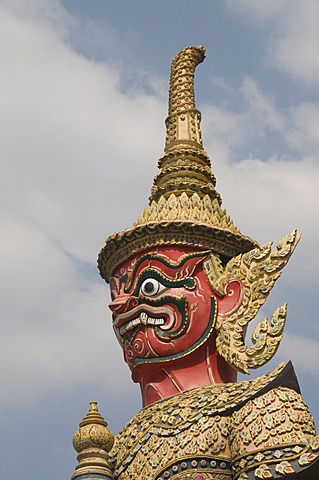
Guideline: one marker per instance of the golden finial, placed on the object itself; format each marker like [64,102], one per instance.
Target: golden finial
[184,207]
[93,440]
[185,166]
[183,121]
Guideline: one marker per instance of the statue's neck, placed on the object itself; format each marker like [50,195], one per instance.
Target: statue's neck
[203,367]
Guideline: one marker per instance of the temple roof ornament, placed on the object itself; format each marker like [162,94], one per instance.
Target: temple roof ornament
[93,440]
[184,206]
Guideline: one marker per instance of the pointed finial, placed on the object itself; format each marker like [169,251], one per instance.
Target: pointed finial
[183,121]
[93,441]
[185,165]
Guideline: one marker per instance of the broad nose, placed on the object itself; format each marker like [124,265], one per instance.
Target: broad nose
[122,303]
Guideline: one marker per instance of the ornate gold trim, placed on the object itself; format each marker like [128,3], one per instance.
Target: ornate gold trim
[218,428]
[120,246]
[93,441]
[257,272]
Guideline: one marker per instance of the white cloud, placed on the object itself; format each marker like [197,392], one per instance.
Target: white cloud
[293,40]
[269,199]
[270,195]
[54,323]
[74,152]
[220,82]
[304,133]
[256,117]
[297,42]
[262,111]
[261,10]
[63,162]
[304,351]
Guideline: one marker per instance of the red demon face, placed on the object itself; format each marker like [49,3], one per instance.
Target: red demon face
[163,307]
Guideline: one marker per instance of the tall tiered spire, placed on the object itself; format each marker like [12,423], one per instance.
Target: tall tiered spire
[185,166]
[184,207]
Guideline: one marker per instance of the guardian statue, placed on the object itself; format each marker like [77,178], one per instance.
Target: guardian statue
[185,284]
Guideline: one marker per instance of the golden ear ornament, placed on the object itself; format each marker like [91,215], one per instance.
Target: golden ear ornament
[257,271]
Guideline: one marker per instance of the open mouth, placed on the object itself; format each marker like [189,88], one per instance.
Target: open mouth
[142,319]
[163,318]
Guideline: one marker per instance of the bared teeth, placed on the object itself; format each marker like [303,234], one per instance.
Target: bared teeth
[144,319]
[155,321]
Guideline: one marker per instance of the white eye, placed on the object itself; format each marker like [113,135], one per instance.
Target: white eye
[151,287]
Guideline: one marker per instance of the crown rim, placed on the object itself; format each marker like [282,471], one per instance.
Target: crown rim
[120,246]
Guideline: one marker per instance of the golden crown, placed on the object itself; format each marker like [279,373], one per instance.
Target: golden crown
[184,206]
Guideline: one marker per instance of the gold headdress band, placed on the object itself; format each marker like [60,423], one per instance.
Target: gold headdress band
[184,207]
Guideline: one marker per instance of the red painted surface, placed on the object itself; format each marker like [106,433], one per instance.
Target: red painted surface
[182,354]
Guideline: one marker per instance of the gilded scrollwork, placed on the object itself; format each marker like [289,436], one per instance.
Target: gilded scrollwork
[257,271]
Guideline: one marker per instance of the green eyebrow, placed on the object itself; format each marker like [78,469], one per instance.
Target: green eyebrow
[164,262]
[187,282]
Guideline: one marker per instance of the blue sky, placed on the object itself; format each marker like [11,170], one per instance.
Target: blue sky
[84,89]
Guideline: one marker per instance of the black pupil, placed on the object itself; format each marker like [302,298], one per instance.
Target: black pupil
[149,287]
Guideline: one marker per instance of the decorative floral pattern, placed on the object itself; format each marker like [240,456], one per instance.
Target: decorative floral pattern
[197,433]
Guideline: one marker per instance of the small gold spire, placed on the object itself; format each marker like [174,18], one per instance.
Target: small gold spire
[93,441]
